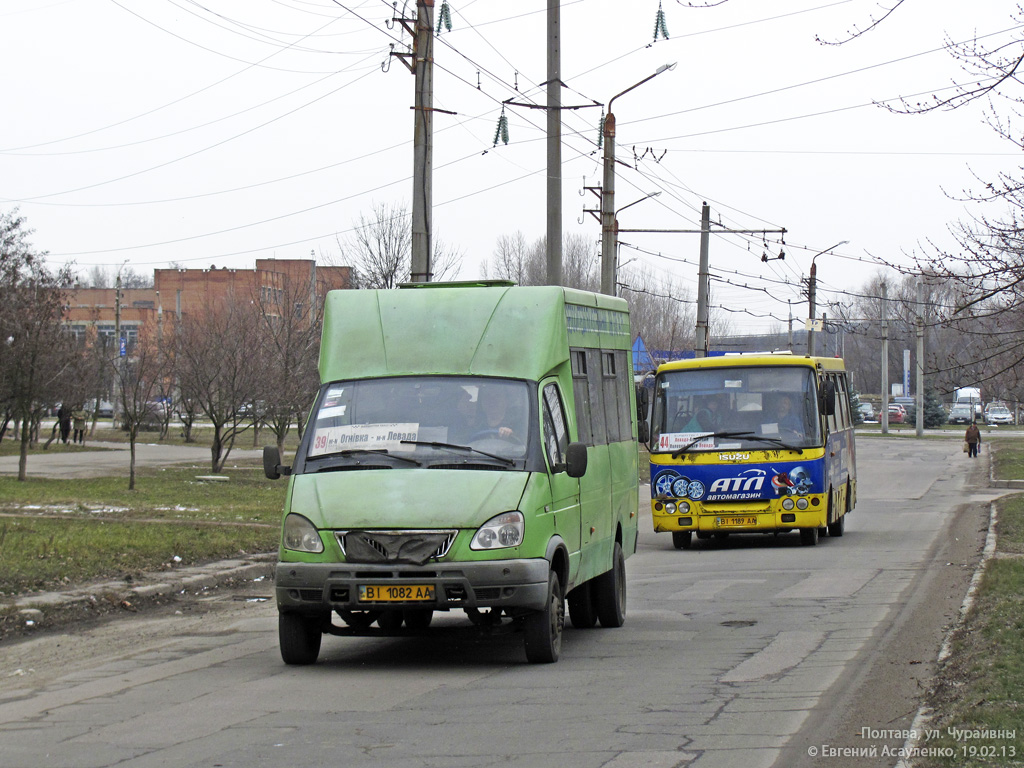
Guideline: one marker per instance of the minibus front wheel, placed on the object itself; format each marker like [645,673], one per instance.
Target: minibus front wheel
[299,636]
[543,629]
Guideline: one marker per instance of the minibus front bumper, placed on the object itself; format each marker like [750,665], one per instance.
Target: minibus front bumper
[319,587]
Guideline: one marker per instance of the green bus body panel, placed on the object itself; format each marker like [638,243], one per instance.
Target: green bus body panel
[516,332]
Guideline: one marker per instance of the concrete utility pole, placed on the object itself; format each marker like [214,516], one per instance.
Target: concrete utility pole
[608,189]
[117,349]
[554,187]
[702,343]
[919,397]
[884,312]
[422,182]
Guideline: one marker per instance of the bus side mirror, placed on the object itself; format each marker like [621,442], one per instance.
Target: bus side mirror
[576,460]
[643,402]
[827,398]
[272,463]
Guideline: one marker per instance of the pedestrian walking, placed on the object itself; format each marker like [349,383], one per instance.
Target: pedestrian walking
[973,439]
[64,422]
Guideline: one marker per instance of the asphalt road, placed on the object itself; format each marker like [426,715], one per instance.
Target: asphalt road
[754,653]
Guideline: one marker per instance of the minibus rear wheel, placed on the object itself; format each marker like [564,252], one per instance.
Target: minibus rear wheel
[581,606]
[543,629]
[299,636]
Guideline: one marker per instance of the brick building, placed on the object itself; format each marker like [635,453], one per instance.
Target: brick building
[299,283]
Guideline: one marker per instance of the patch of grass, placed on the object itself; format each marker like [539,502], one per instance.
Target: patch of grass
[1008,458]
[981,686]
[36,553]
[53,531]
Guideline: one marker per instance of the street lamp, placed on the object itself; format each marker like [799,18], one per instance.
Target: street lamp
[811,285]
[608,189]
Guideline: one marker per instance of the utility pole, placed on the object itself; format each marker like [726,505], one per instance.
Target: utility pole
[919,397]
[701,345]
[117,348]
[812,289]
[884,312]
[554,139]
[421,63]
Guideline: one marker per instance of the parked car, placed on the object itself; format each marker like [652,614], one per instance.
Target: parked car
[106,410]
[897,413]
[867,411]
[998,414]
[961,414]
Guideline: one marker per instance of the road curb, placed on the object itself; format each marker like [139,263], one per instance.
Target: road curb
[151,584]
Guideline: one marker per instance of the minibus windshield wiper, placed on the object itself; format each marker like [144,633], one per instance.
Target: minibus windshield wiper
[381,451]
[680,451]
[453,446]
[745,435]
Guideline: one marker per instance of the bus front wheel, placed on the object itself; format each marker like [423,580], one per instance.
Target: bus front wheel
[808,536]
[682,539]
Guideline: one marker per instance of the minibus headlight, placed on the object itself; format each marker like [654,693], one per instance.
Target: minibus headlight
[301,535]
[787,503]
[684,507]
[801,503]
[670,507]
[504,530]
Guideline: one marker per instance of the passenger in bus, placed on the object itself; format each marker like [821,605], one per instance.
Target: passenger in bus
[709,417]
[787,423]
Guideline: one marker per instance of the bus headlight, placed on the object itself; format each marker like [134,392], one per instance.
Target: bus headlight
[787,503]
[504,530]
[801,503]
[301,535]
[670,507]
[684,507]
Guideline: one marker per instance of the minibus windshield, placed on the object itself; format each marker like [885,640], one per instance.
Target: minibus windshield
[427,418]
[741,408]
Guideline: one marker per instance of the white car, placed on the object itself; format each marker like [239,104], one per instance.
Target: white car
[998,415]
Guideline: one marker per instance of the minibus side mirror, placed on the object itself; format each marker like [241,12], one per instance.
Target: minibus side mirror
[272,463]
[643,432]
[576,460]
[827,398]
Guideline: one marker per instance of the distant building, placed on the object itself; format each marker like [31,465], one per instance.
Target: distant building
[177,292]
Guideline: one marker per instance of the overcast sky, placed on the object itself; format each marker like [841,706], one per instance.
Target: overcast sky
[142,132]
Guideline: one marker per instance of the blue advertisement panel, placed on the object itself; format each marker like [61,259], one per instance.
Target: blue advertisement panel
[738,482]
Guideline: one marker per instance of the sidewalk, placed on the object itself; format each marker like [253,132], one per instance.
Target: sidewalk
[112,459]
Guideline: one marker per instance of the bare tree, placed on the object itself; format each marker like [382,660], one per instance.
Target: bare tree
[214,360]
[139,379]
[37,355]
[380,249]
[290,323]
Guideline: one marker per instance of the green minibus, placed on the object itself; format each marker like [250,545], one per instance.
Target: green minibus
[473,447]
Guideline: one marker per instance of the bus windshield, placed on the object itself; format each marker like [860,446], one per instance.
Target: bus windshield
[423,419]
[740,408]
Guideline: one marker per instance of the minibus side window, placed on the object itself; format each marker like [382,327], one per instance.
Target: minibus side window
[581,394]
[556,436]
[595,379]
[609,385]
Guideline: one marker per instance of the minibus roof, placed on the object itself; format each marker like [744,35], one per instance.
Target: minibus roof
[489,329]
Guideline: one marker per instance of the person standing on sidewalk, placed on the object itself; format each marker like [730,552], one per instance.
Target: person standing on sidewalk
[973,440]
[79,416]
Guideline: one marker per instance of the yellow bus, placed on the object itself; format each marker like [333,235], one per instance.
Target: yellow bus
[751,444]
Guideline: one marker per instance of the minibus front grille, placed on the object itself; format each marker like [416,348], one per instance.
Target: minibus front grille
[415,547]
[484,467]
